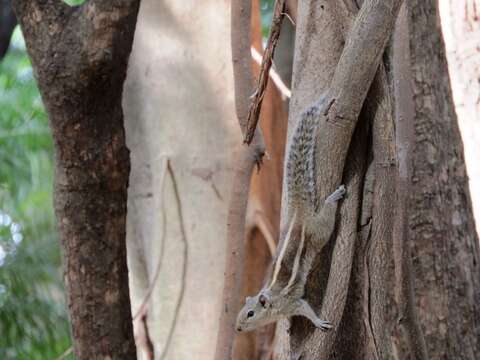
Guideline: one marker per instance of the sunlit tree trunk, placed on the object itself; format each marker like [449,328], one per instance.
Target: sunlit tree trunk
[461,29]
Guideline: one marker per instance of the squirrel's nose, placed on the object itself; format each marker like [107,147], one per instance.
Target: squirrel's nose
[239,329]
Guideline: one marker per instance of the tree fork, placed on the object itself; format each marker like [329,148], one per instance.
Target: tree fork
[80,55]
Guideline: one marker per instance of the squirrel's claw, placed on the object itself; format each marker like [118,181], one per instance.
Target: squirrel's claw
[323,325]
[336,195]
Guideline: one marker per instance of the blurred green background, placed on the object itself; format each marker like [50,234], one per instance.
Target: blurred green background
[33,317]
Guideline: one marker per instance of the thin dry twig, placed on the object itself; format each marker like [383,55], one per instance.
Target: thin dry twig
[148,340]
[275,76]
[66,353]
[257,97]
[142,337]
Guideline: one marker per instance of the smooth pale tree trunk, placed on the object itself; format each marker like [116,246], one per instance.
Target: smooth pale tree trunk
[181,129]
[179,108]
[461,30]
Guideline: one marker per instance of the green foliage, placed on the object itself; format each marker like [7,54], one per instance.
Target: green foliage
[266,12]
[74,2]
[33,320]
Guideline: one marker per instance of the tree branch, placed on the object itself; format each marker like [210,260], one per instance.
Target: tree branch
[348,89]
[292,9]
[257,97]
[319,344]
[98,15]
[244,161]
[39,12]
[351,81]
[404,121]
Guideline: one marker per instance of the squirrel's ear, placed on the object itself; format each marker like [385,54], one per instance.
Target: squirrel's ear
[263,300]
[247,299]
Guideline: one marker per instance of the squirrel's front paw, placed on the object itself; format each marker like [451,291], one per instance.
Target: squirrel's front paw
[323,325]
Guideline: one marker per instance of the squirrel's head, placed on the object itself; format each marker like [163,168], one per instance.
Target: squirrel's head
[256,312]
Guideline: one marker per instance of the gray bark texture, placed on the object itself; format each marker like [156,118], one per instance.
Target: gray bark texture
[79,56]
[408,198]
[445,250]
[343,69]
[461,31]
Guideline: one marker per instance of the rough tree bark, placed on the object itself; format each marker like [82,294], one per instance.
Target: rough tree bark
[8,21]
[379,320]
[79,55]
[408,340]
[371,311]
[445,247]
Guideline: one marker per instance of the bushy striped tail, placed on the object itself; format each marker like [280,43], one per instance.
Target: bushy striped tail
[300,166]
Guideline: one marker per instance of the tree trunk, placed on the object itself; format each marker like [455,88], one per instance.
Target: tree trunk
[379,320]
[79,56]
[179,108]
[263,214]
[444,242]
[321,34]
[461,30]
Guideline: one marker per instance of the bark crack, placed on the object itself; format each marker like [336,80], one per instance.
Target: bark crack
[369,308]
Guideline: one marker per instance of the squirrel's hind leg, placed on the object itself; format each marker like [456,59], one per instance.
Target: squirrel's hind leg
[323,223]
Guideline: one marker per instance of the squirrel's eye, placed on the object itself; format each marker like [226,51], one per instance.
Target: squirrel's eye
[250,313]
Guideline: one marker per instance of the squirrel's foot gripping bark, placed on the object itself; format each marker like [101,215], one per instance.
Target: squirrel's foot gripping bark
[306,310]
[336,195]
